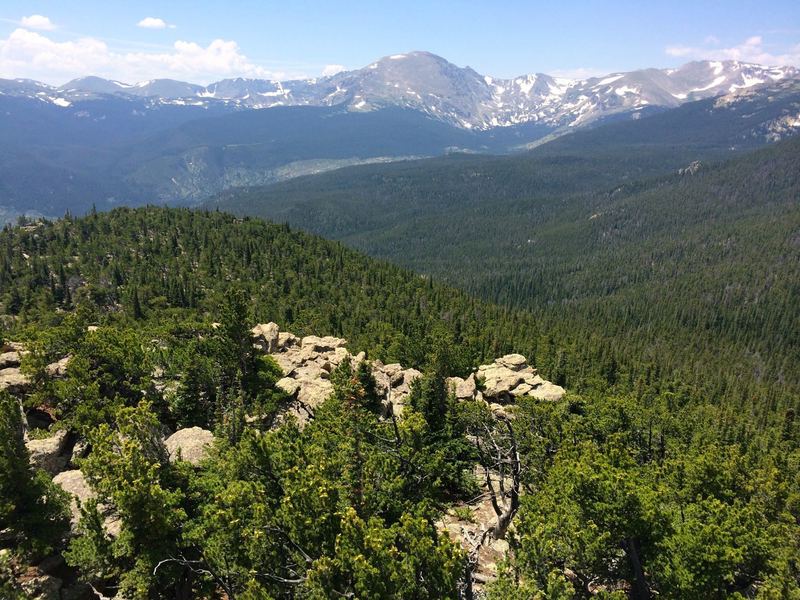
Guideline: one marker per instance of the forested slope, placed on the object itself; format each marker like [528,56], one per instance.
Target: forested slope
[137,323]
[692,271]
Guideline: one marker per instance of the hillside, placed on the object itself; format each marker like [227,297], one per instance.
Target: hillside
[215,459]
[368,198]
[649,265]
[176,261]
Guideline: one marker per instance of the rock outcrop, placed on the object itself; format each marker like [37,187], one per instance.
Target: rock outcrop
[307,365]
[59,368]
[50,453]
[10,359]
[510,377]
[190,444]
[74,483]
[266,337]
[394,383]
[13,381]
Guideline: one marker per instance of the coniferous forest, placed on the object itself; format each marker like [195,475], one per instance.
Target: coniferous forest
[133,324]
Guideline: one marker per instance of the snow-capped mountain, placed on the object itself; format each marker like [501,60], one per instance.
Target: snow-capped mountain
[167,89]
[428,83]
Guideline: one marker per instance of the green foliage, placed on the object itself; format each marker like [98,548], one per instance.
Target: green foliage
[633,495]
[109,368]
[32,509]
[643,481]
[406,560]
[507,587]
[129,470]
[328,510]
[9,587]
[185,264]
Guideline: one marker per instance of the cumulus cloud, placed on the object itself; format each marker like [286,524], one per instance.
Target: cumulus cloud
[30,54]
[38,22]
[332,70]
[752,50]
[154,23]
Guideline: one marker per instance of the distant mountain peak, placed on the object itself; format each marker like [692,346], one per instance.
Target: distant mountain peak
[423,81]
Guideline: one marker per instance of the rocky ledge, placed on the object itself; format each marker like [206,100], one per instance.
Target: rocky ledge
[308,362]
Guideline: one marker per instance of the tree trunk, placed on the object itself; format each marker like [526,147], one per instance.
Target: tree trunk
[641,591]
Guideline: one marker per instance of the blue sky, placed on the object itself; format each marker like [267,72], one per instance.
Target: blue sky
[202,41]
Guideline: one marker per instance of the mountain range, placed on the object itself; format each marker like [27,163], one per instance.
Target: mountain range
[98,142]
[428,83]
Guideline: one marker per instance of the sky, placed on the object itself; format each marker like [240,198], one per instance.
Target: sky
[198,41]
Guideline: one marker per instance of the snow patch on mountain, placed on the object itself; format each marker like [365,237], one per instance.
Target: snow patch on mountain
[427,83]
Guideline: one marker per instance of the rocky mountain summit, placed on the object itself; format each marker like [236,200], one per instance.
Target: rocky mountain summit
[306,364]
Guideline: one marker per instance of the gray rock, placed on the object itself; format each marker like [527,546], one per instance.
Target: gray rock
[14,381]
[510,377]
[498,381]
[288,385]
[80,449]
[548,391]
[9,360]
[301,413]
[464,389]
[58,368]
[287,340]
[287,362]
[310,372]
[112,525]
[308,353]
[190,444]
[75,484]
[49,453]
[323,344]
[411,375]
[314,392]
[340,355]
[266,336]
[45,587]
[523,389]
[394,371]
[515,362]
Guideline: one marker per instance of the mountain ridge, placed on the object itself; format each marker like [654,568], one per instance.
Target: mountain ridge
[429,83]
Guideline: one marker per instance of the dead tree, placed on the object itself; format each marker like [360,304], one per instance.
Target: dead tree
[502,471]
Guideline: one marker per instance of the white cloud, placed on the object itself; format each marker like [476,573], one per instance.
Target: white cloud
[33,55]
[154,23]
[752,50]
[38,22]
[332,70]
